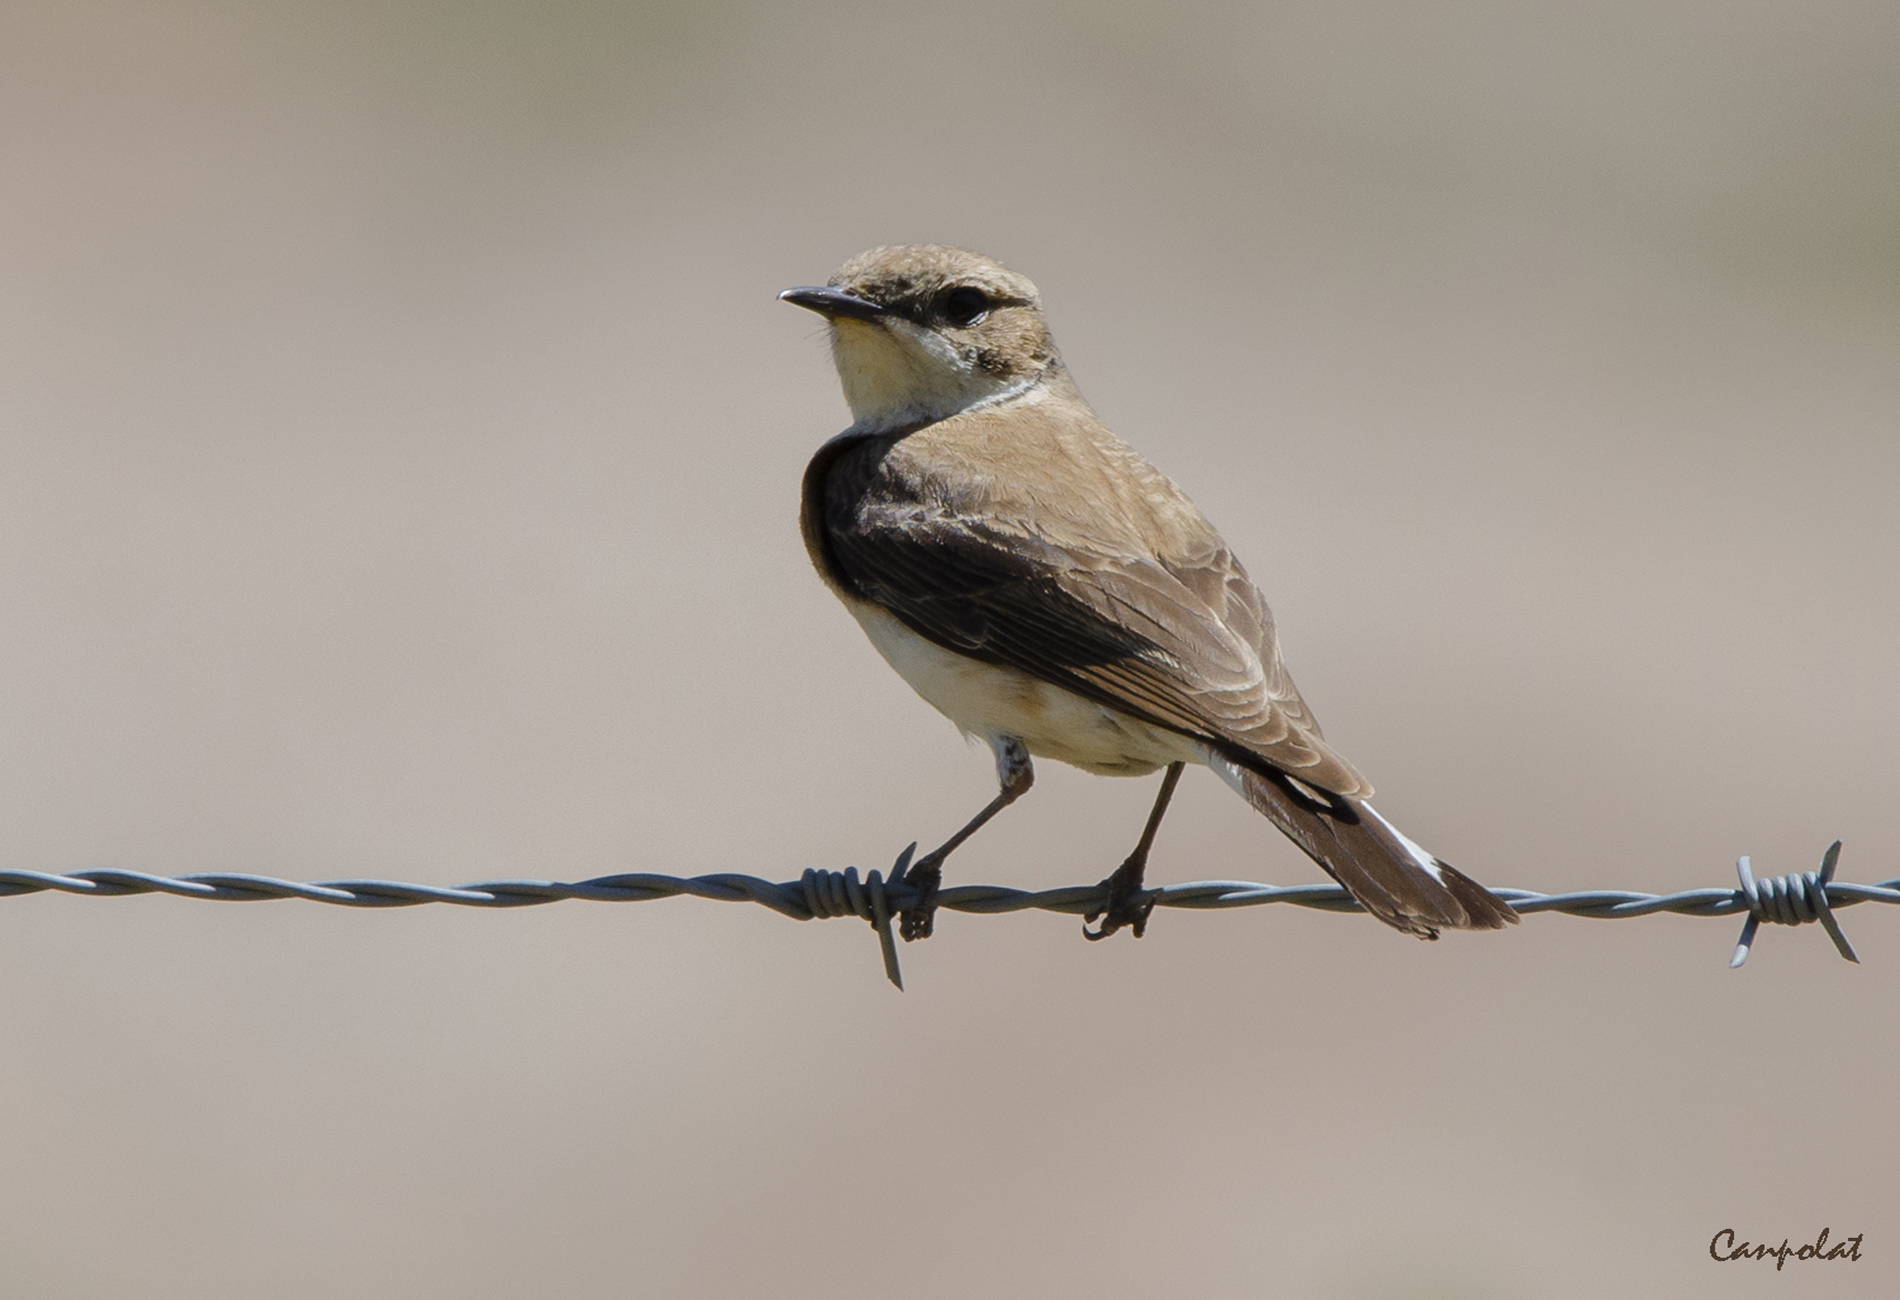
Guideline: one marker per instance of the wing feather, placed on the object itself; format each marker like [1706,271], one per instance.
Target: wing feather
[1184,642]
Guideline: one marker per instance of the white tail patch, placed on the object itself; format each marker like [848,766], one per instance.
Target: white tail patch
[1227,770]
[1419,855]
[1235,776]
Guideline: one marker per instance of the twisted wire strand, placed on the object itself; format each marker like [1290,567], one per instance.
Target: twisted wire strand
[1782,900]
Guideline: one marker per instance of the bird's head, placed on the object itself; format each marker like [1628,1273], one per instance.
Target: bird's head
[923,331]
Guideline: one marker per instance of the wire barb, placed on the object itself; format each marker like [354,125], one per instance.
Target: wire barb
[1784,900]
[1793,899]
[838,893]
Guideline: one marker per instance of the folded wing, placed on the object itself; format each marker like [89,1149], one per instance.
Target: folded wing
[1124,630]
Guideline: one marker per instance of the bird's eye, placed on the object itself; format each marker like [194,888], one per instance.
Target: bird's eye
[965,306]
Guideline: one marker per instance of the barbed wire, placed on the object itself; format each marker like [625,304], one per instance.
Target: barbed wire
[1793,899]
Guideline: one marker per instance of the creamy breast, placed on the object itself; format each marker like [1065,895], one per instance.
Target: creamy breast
[990,700]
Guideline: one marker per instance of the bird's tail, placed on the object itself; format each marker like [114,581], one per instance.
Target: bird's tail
[1393,878]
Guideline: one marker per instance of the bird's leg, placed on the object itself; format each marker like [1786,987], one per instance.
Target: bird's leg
[1015,774]
[1127,905]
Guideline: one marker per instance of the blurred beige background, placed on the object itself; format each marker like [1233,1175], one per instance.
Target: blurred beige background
[400,459]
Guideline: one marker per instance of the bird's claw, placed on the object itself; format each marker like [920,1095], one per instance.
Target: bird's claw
[916,921]
[1128,904]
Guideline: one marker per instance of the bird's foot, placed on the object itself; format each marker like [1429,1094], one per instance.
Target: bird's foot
[1128,903]
[917,920]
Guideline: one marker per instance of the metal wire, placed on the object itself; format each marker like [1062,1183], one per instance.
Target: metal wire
[1782,900]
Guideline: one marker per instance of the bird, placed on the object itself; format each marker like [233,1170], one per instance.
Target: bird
[1056,596]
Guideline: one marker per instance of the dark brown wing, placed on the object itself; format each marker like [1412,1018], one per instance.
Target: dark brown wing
[1121,629]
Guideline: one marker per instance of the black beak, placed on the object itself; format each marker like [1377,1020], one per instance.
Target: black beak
[833,304]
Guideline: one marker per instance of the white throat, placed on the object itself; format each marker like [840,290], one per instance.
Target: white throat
[896,373]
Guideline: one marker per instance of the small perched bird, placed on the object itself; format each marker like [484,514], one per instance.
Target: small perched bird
[1051,592]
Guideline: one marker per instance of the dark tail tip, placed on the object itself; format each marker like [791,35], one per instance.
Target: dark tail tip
[1486,910]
